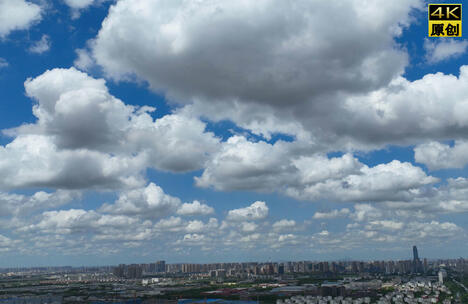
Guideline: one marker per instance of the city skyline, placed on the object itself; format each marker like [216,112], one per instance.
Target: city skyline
[229,131]
[342,260]
[353,266]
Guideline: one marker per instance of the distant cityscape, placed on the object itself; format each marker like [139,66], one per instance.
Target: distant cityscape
[412,281]
[265,269]
[245,270]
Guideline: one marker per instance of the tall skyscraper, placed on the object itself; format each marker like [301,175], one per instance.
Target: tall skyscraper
[415,253]
[417,265]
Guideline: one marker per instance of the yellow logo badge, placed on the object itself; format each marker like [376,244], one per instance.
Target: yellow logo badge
[445,20]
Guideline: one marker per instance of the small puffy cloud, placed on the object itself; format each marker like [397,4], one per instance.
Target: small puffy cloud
[195,208]
[193,238]
[284,224]
[199,226]
[41,46]
[385,225]
[385,232]
[438,50]
[366,212]
[83,61]
[150,202]
[7,244]
[17,15]
[286,240]
[437,156]
[332,214]
[323,233]
[256,211]
[433,229]
[318,168]
[171,224]
[250,238]
[79,4]
[89,224]
[22,205]
[3,63]
[248,227]
[66,221]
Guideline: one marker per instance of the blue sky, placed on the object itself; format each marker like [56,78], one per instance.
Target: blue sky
[273,134]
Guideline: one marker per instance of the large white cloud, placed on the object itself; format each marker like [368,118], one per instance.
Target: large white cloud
[409,111]
[35,161]
[84,136]
[245,165]
[339,85]
[17,15]
[211,49]
[77,110]
[344,87]
[392,181]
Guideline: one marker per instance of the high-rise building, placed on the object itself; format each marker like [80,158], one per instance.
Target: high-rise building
[281,269]
[160,266]
[415,253]
[417,265]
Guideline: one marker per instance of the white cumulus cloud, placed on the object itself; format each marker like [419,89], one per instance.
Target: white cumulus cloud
[17,15]
[257,211]
[436,155]
[195,208]
[444,49]
[41,46]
